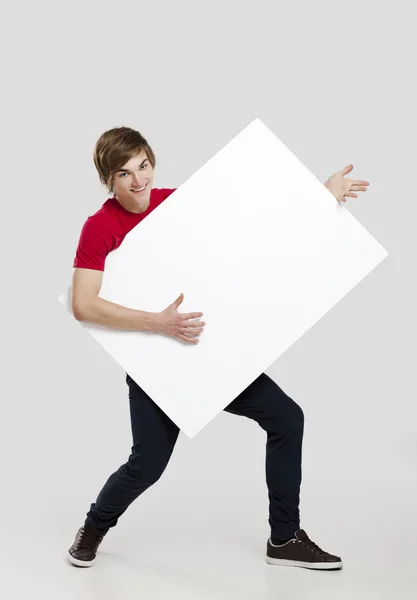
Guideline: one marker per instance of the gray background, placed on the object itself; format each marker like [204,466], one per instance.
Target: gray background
[335,82]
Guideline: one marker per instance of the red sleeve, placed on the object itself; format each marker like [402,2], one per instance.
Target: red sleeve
[92,248]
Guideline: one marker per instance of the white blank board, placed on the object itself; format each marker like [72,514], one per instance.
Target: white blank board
[254,241]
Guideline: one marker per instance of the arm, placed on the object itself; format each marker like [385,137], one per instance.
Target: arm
[88,306]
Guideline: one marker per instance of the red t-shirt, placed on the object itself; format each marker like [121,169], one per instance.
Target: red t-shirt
[106,229]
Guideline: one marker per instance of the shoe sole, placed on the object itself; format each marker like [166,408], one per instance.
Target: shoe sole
[271,561]
[296,563]
[80,563]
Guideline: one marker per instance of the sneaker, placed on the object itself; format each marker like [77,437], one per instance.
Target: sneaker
[301,552]
[83,551]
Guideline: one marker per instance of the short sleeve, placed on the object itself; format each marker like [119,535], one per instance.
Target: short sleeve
[92,248]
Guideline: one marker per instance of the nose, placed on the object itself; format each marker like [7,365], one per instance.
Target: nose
[137,182]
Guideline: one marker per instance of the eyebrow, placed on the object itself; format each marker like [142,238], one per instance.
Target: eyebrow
[127,170]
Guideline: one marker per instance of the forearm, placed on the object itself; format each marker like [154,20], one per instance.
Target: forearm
[108,314]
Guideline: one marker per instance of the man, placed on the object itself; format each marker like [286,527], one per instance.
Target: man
[125,163]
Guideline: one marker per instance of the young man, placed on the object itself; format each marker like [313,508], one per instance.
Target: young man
[125,163]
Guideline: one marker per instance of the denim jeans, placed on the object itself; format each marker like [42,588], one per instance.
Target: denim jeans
[155,435]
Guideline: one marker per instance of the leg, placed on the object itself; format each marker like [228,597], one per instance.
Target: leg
[154,437]
[283,420]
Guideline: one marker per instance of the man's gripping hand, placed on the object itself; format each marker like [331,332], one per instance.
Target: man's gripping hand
[171,322]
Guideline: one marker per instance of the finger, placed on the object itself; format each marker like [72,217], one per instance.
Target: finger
[192,316]
[194,323]
[178,301]
[189,340]
[346,170]
[351,195]
[358,188]
[192,332]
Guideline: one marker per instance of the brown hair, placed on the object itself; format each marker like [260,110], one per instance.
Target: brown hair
[114,148]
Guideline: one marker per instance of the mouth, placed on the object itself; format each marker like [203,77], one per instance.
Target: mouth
[140,190]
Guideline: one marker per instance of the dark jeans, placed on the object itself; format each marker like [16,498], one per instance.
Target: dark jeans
[154,437]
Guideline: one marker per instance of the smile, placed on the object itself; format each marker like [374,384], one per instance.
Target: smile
[140,189]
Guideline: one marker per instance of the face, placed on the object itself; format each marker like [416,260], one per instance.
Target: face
[134,175]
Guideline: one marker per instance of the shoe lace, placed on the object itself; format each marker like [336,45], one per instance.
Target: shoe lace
[310,545]
[89,539]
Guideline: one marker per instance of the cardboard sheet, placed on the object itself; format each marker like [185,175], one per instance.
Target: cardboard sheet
[254,241]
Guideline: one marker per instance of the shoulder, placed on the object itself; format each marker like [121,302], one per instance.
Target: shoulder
[167,191]
[162,193]
[94,241]
[94,229]
[158,195]
[99,223]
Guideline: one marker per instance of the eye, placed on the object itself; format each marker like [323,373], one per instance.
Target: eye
[145,165]
[121,174]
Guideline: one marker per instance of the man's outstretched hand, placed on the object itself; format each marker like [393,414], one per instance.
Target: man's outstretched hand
[171,322]
[341,187]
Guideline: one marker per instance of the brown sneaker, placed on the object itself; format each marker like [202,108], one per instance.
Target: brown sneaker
[83,551]
[301,552]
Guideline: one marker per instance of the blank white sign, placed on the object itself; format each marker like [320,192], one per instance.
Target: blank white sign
[254,241]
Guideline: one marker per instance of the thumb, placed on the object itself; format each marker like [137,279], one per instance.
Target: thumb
[178,301]
[346,170]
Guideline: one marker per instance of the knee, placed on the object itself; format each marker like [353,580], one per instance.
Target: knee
[146,473]
[294,416]
[300,419]
[297,414]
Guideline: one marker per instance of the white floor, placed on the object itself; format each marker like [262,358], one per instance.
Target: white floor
[202,534]
[229,564]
